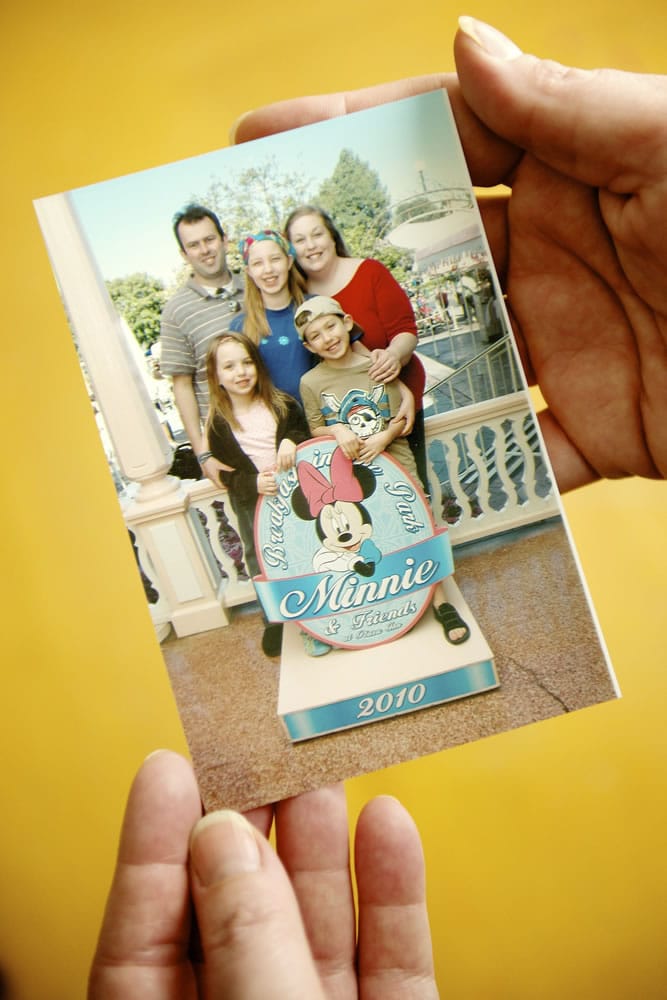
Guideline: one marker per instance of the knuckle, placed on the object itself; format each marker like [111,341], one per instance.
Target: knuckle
[240,924]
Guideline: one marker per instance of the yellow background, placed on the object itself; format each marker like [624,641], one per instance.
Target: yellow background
[545,847]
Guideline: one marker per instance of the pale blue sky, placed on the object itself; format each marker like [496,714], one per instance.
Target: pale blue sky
[128,220]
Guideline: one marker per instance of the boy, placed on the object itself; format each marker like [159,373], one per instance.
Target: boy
[340,401]
[337,395]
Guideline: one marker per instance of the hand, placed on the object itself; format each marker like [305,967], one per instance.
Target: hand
[579,245]
[286,455]
[384,367]
[347,440]
[405,414]
[270,930]
[267,485]
[212,469]
[373,446]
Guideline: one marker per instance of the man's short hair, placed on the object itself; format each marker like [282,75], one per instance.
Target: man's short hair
[195,213]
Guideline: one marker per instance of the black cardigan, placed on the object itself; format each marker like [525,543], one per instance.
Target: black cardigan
[242,482]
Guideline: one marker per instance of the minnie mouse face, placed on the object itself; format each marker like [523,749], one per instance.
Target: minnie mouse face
[342,523]
[343,526]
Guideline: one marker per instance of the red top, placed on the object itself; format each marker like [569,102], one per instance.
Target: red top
[376,301]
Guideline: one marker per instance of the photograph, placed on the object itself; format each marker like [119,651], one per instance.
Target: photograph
[311,402]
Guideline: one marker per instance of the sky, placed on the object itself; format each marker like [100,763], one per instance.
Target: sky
[127,220]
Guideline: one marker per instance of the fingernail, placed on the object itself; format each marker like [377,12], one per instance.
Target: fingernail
[489,38]
[235,127]
[222,844]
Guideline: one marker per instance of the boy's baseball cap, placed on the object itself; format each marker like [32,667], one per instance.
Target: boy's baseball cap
[319,305]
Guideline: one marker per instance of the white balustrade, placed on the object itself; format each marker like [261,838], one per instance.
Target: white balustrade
[487,469]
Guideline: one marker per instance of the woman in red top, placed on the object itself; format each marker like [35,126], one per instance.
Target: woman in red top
[365,289]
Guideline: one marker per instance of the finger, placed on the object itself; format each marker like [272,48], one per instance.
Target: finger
[394,953]
[384,370]
[251,932]
[143,944]
[570,467]
[488,157]
[261,818]
[596,126]
[312,841]
[285,115]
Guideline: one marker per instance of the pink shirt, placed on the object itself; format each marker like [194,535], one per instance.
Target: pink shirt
[257,435]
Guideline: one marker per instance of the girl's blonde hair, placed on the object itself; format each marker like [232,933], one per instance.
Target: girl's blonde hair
[220,403]
[255,323]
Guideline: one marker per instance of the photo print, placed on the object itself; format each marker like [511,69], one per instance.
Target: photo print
[382,568]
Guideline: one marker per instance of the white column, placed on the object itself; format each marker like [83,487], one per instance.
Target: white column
[159,511]
[164,531]
[141,447]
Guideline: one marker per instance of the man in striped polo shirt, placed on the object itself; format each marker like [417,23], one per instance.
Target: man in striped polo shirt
[201,309]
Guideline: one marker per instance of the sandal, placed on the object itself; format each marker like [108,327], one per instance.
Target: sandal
[450,620]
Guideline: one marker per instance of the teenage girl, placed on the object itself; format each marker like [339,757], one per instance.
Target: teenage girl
[253,428]
[273,290]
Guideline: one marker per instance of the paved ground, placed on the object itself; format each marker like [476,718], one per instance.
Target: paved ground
[524,590]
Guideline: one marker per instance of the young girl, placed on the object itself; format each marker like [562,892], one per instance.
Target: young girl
[253,428]
[273,290]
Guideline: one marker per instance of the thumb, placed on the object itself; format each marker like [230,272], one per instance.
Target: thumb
[600,127]
[252,936]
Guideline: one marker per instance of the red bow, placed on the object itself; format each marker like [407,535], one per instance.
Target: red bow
[319,492]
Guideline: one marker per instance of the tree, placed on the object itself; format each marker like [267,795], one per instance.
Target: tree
[260,197]
[139,299]
[359,204]
[397,260]
[363,242]
[358,201]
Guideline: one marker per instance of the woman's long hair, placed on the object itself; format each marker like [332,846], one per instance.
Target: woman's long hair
[220,403]
[255,324]
[327,222]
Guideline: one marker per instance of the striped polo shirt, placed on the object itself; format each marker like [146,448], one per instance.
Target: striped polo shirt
[190,320]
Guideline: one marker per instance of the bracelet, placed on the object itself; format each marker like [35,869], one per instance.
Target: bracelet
[204,457]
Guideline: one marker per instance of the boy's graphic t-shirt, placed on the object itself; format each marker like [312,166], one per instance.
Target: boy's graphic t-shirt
[347,396]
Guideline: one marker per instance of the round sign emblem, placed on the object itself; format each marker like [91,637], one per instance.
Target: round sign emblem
[348,552]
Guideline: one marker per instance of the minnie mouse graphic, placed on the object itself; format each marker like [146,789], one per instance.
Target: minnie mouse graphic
[343,524]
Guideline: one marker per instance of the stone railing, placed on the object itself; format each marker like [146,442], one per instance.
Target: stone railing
[486,468]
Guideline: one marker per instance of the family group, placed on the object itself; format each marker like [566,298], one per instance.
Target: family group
[311,342]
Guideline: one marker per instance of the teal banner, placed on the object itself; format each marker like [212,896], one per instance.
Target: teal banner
[397,576]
